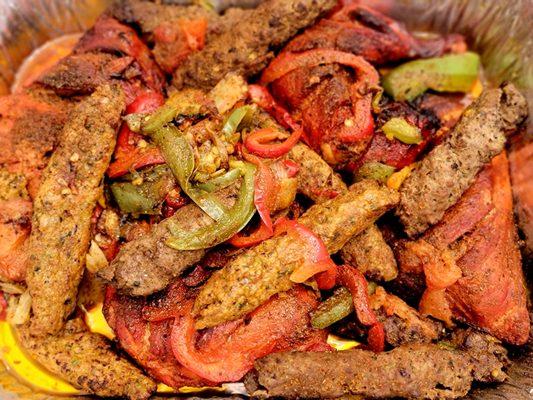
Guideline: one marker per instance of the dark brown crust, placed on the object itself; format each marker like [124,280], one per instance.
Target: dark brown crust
[147,265]
[451,167]
[316,179]
[412,371]
[403,324]
[246,48]
[87,361]
[370,254]
[63,207]
[261,272]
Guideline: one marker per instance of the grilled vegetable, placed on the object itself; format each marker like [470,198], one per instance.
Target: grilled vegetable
[451,73]
[333,309]
[144,198]
[399,128]
[231,222]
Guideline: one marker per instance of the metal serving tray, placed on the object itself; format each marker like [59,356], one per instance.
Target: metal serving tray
[500,30]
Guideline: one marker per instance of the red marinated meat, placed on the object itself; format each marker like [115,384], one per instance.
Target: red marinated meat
[329,99]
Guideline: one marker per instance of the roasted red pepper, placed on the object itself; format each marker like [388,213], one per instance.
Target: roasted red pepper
[128,156]
[265,188]
[262,97]
[260,143]
[227,352]
[355,282]
[362,124]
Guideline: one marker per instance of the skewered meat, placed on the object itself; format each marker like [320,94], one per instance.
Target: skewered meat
[412,371]
[87,361]
[259,273]
[450,168]
[371,255]
[247,47]
[70,187]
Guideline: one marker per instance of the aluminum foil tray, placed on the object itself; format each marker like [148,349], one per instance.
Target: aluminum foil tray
[500,30]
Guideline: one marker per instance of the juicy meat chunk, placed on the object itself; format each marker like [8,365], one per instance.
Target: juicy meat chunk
[87,361]
[110,36]
[147,265]
[371,255]
[478,233]
[316,179]
[521,163]
[81,74]
[402,323]
[147,341]
[259,273]
[30,125]
[61,224]
[15,225]
[378,39]
[451,167]
[413,371]
[247,47]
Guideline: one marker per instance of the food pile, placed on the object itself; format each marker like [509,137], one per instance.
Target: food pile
[241,192]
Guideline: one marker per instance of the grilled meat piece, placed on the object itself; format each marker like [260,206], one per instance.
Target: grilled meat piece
[316,179]
[259,273]
[450,168]
[329,101]
[30,125]
[146,265]
[521,163]
[147,340]
[247,47]
[402,323]
[478,233]
[378,39]
[371,255]
[61,222]
[81,74]
[87,361]
[15,225]
[412,371]
[394,152]
[110,36]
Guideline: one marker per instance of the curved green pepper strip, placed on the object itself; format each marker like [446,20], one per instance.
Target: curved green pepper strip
[231,222]
[402,130]
[336,307]
[450,73]
[235,119]
[131,200]
[221,182]
[333,309]
[180,103]
[179,156]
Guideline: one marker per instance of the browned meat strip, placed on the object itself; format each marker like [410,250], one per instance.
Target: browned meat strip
[316,179]
[246,47]
[259,273]
[30,124]
[451,167]
[81,74]
[147,265]
[413,371]
[86,360]
[63,207]
[403,324]
[370,254]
